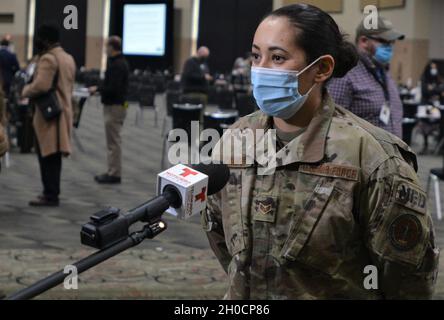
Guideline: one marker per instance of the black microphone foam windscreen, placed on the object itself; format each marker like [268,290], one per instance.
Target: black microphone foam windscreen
[218,176]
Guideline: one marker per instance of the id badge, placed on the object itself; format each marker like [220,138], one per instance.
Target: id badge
[385,114]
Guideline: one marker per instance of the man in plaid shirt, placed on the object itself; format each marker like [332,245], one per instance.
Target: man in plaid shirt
[368,90]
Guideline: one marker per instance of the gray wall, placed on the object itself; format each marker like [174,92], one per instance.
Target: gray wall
[437,30]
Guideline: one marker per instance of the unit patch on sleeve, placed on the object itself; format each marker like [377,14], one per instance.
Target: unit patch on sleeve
[410,196]
[405,232]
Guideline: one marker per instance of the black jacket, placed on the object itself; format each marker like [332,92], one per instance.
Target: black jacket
[114,88]
[193,76]
[8,66]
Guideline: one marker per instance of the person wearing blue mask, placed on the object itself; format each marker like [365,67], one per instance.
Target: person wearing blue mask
[337,198]
[368,90]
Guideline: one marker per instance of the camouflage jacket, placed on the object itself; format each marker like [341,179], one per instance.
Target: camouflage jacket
[344,204]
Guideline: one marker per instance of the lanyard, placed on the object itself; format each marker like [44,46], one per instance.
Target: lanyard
[379,75]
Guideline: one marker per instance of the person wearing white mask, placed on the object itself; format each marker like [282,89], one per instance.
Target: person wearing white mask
[432,84]
[432,89]
[335,197]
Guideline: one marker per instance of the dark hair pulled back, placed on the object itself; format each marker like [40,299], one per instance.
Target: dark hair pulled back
[320,35]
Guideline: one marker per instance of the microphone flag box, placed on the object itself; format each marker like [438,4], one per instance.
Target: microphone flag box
[192,186]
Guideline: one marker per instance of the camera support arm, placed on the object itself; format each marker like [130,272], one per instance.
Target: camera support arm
[108,231]
[148,232]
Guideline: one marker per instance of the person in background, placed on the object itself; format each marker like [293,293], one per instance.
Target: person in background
[368,90]
[196,74]
[432,89]
[9,65]
[432,85]
[241,71]
[8,38]
[114,90]
[242,66]
[54,136]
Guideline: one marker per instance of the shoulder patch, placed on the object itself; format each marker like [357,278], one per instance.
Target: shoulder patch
[332,170]
[411,196]
[405,232]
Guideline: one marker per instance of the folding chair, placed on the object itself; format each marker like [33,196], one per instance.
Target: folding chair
[146,99]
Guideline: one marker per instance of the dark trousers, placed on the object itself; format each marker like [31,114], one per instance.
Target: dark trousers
[50,171]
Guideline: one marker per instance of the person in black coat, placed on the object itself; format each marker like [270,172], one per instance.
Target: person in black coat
[114,90]
[196,74]
[8,65]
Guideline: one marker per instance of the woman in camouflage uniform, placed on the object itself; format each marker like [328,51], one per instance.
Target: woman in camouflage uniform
[343,215]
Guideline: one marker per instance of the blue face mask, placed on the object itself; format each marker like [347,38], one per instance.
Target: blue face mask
[277,91]
[384,54]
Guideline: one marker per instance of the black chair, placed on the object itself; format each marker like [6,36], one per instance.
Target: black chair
[408,124]
[224,98]
[410,109]
[212,95]
[173,86]
[241,83]
[25,130]
[133,91]
[134,83]
[220,120]
[146,79]
[92,78]
[159,82]
[80,76]
[172,97]
[183,115]
[146,99]
[193,99]
[245,103]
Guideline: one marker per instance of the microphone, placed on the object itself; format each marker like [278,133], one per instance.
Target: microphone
[188,187]
[182,191]
[219,175]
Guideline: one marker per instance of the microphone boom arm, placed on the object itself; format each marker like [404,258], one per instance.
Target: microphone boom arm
[152,228]
[108,230]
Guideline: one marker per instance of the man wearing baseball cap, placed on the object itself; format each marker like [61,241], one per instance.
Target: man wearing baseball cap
[368,90]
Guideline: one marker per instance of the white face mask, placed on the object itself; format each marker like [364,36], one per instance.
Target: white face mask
[434,72]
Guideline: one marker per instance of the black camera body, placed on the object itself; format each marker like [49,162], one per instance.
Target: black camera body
[104,229]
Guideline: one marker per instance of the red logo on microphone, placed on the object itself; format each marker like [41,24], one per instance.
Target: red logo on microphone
[186,172]
[201,195]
